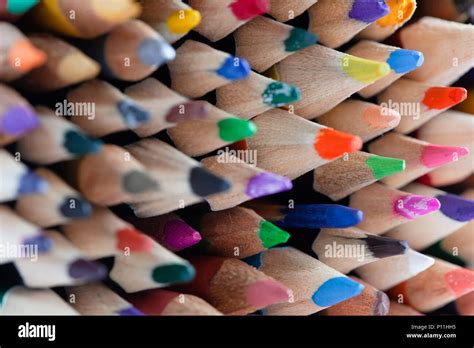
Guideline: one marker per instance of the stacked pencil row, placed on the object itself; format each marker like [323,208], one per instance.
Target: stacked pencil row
[355,146]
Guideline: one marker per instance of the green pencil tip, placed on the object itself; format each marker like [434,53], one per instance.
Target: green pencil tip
[299,39]
[271,235]
[78,143]
[235,129]
[173,273]
[385,166]
[18,7]
[279,94]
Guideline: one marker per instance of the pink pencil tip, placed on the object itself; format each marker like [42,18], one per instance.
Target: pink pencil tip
[460,281]
[415,206]
[434,156]
[178,235]
[266,292]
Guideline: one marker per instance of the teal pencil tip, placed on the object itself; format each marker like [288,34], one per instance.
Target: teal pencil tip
[18,7]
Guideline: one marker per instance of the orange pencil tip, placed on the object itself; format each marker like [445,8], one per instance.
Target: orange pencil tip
[331,143]
[24,56]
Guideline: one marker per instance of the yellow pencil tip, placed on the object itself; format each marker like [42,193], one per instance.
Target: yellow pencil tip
[363,70]
[183,21]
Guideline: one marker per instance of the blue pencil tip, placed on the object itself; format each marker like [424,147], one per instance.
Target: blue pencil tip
[402,61]
[31,183]
[336,290]
[320,216]
[42,242]
[234,68]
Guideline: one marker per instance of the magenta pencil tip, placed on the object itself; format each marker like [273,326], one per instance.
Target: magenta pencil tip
[178,235]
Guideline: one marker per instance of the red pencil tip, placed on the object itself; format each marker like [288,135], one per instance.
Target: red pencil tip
[247,9]
[134,240]
[331,143]
[444,97]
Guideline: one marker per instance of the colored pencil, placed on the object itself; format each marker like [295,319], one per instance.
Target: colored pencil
[457,247]
[130,52]
[172,19]
[140,263]
[98,299]
[349,248]
[438,285]
[444,63]
[220,18]
[63,264]
[314,286]
[455,212]
[182,181]
[232,286]
[238,232]
[390,271]
[167,108]
[17,117]
[341,74]
[400,309]
[371,301]
[420,156]
[418,102]
[283,11]
[17,54]
[310,216]
[358,117]
[24,238]
[56,140]
[443,131]
[111,176]
[65,66]
[264,42]
[91,17]
[196,61]
[247,182]
[19,300]
[450,10]
[169,230]
[399,14]
[337,22]
[255,95]
[291,146]
[11,10]
[113,111]
[401,62]
[199,136]
[353,172]
[58,205]
[385,208]
[17,180]
[166,302]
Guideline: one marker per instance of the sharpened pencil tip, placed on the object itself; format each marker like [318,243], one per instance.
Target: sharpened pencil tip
[154,51]
[18,120]
[299,39]
[179,235]
[279,94]
[336,290]
[247,9]
[173,273]
[368,11]
[128,238]
[381,247]
[434,156]
[42,242]
[137,182]
[382,167]
[440,98]
[24,57]
[205,183]
[266,292]
[234,69]
[235,129]
[265,184]
[460,281]
[456,207]
[363,70]
[415,206]
[403,61]
[78,143]
[75,208]
[18,7]
[331,144]
[271,235]
[183,21]
[133,114]
[31,183]
[87,270]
